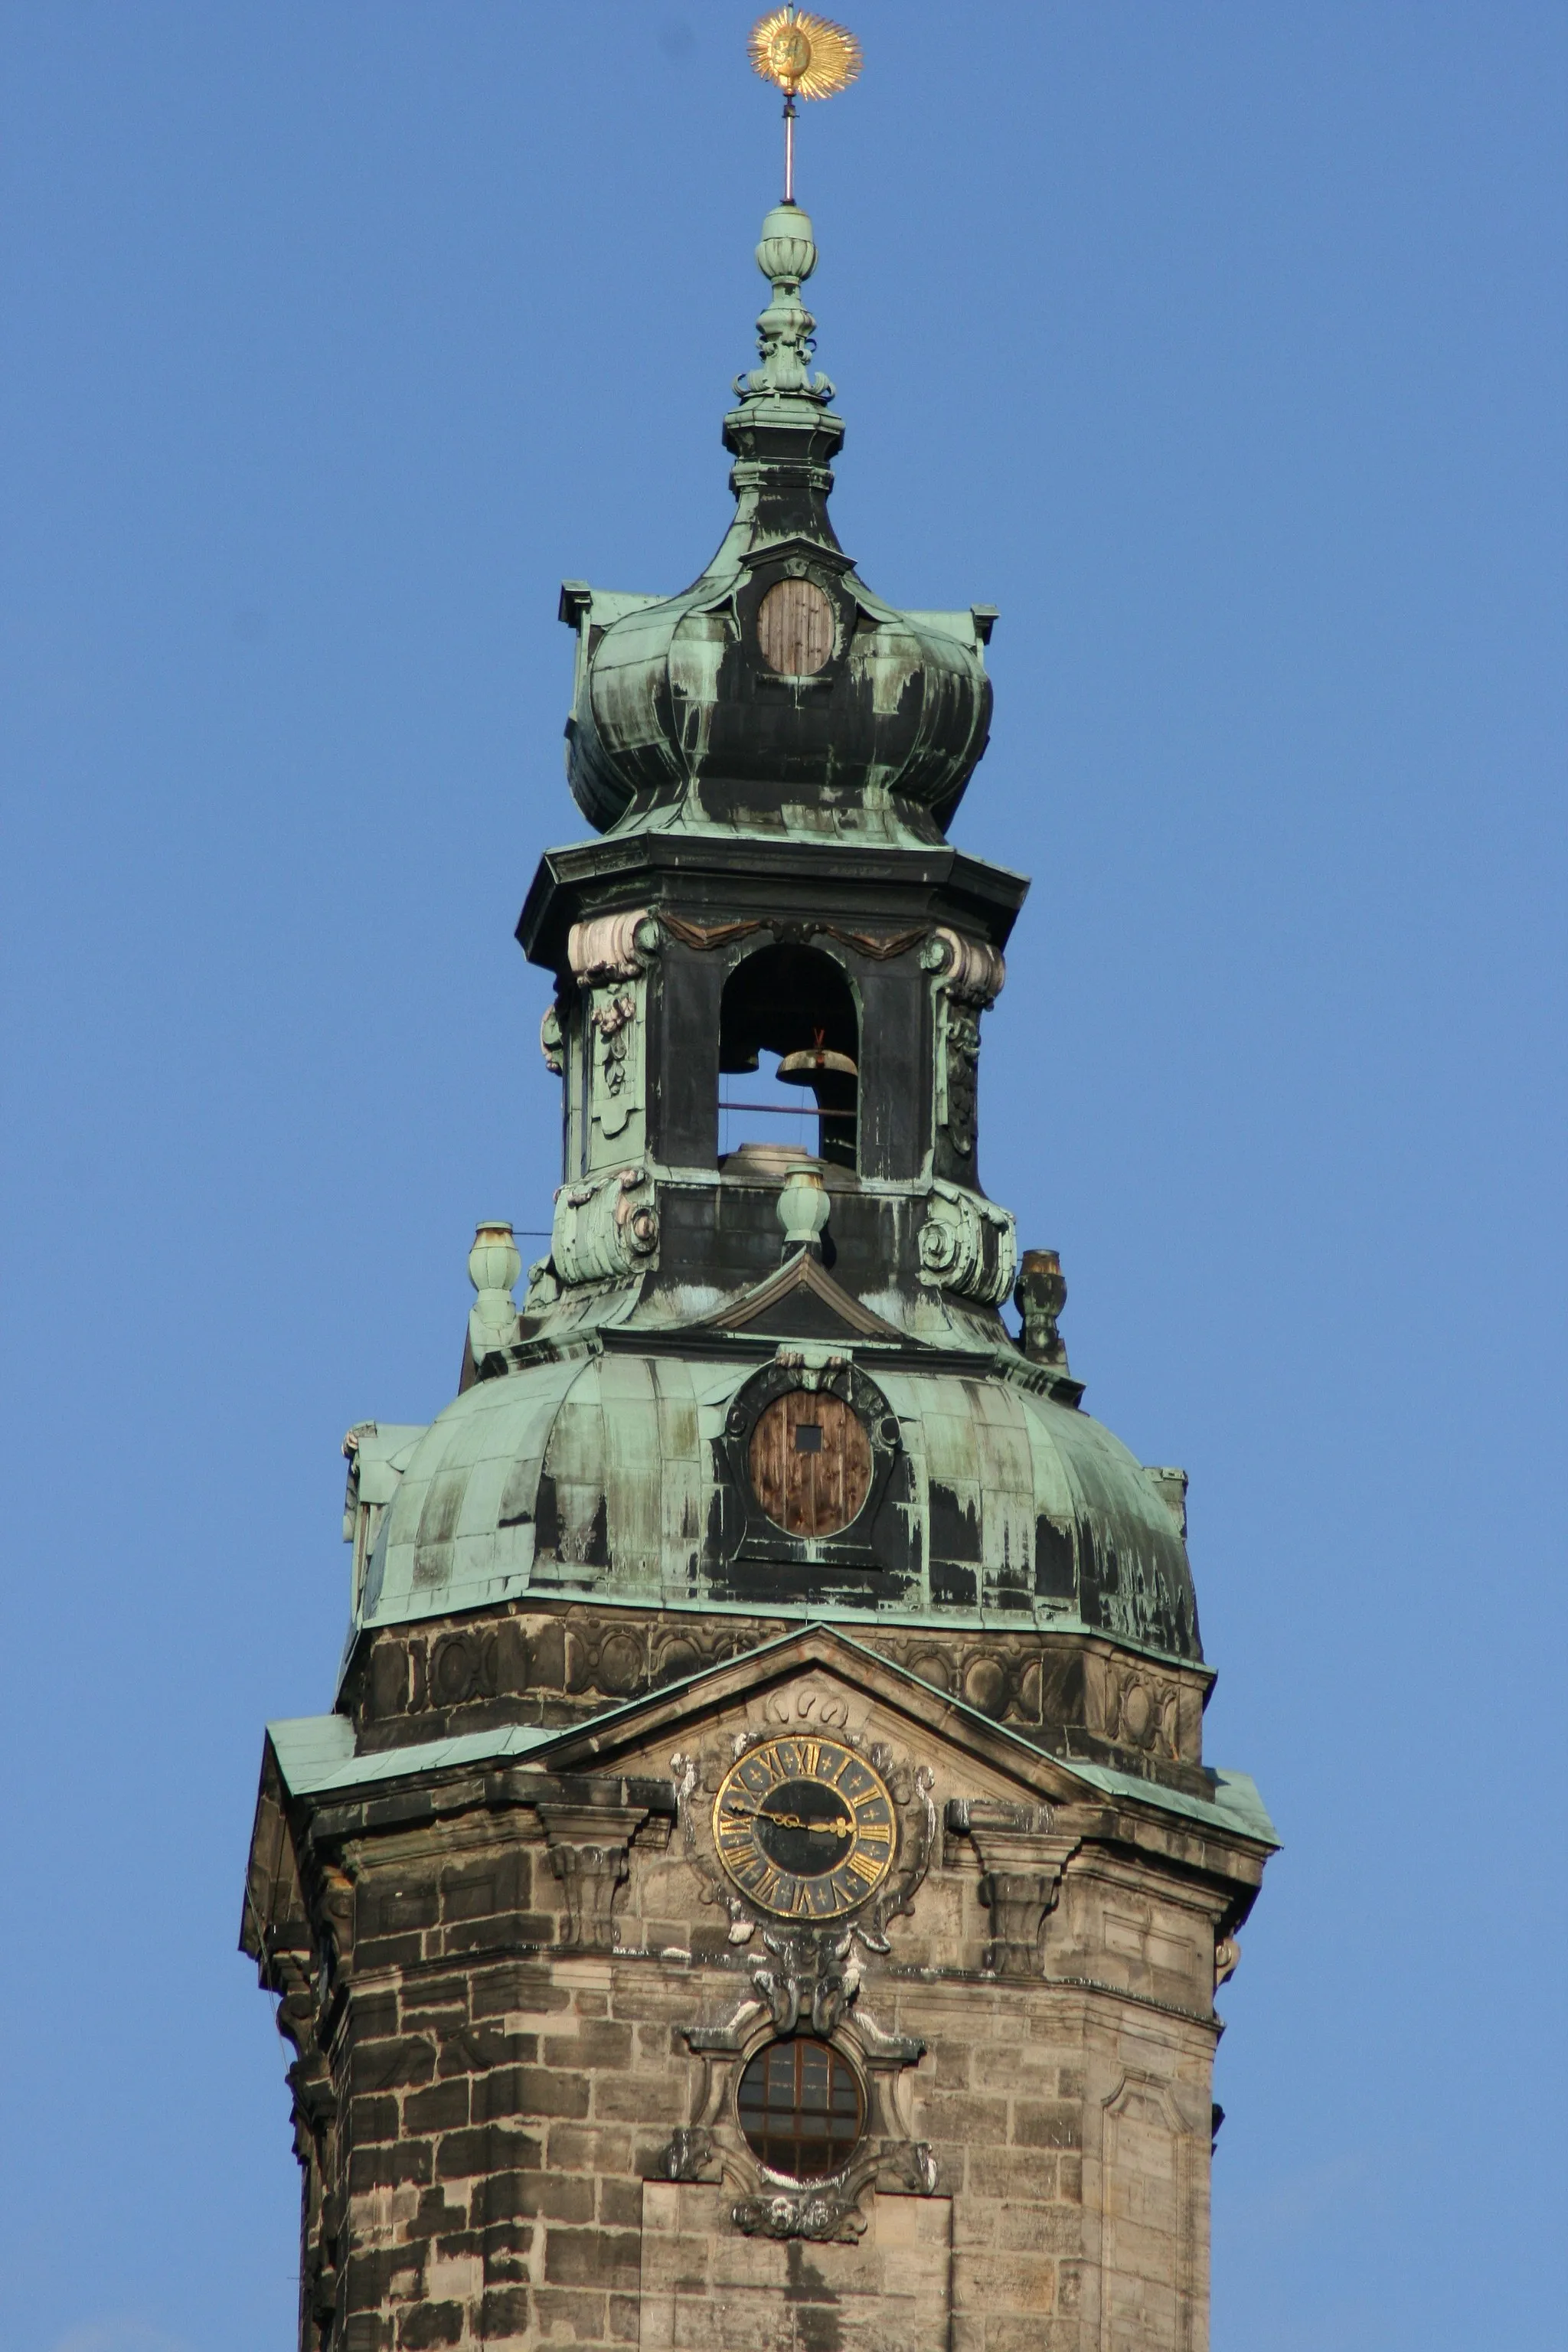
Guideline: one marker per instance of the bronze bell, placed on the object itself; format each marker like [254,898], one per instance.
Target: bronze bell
[803,1068]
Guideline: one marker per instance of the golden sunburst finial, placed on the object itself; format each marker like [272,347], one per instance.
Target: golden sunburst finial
[806,56]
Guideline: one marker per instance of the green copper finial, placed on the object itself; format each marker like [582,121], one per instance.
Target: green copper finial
[786,256]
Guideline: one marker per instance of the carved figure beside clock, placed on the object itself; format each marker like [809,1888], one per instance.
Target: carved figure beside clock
[805,1828]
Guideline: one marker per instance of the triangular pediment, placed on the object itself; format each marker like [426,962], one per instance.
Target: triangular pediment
[801,1301]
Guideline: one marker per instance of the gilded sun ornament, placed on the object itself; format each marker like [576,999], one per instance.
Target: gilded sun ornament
[804,56]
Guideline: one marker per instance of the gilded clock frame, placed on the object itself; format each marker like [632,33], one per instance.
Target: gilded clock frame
[827,1763]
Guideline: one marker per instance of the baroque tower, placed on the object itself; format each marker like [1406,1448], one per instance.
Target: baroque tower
[759,1883]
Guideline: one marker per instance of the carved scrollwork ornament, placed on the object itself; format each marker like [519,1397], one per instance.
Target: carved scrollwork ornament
[969,976]
[967,969]
[788,2214]
[612,947]
[686,1772]
[812,1981]
[611,1022]
[604,1229]
[968,1244]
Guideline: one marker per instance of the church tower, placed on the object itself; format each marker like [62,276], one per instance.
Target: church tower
[759,1884]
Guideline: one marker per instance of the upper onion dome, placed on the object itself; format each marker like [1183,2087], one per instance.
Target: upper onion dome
[777,680]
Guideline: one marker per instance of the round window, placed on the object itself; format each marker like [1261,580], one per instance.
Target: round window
[801,2108]
[811,1463]
[795,628]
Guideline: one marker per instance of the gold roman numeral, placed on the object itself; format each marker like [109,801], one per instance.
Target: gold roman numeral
[865,1868]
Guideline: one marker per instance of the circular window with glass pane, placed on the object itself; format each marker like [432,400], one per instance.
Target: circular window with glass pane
[801,2108]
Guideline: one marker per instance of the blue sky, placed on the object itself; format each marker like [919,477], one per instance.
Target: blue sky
[1222,348]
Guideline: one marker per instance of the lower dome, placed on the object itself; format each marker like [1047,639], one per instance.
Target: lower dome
[633,1478]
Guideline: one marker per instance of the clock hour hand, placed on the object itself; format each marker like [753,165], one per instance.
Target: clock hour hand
[837,1827]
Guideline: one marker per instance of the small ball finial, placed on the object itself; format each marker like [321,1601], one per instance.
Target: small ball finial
[787,252]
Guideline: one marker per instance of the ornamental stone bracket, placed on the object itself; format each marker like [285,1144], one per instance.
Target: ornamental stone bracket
[612,947]
[588,1852]
[1022,1858]
[965,969]
[968,1243]
[605,1229]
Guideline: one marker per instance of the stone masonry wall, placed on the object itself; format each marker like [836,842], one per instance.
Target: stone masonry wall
[509,2104]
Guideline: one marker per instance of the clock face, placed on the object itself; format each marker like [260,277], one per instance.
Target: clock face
[805,1827]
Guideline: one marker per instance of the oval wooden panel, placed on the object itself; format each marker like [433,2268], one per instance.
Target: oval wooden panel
[795,628]
[811,1464]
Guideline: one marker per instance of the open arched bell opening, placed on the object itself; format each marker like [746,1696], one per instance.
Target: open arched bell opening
[796,1003]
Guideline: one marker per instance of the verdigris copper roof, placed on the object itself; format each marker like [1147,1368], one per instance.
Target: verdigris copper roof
[603,1471]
